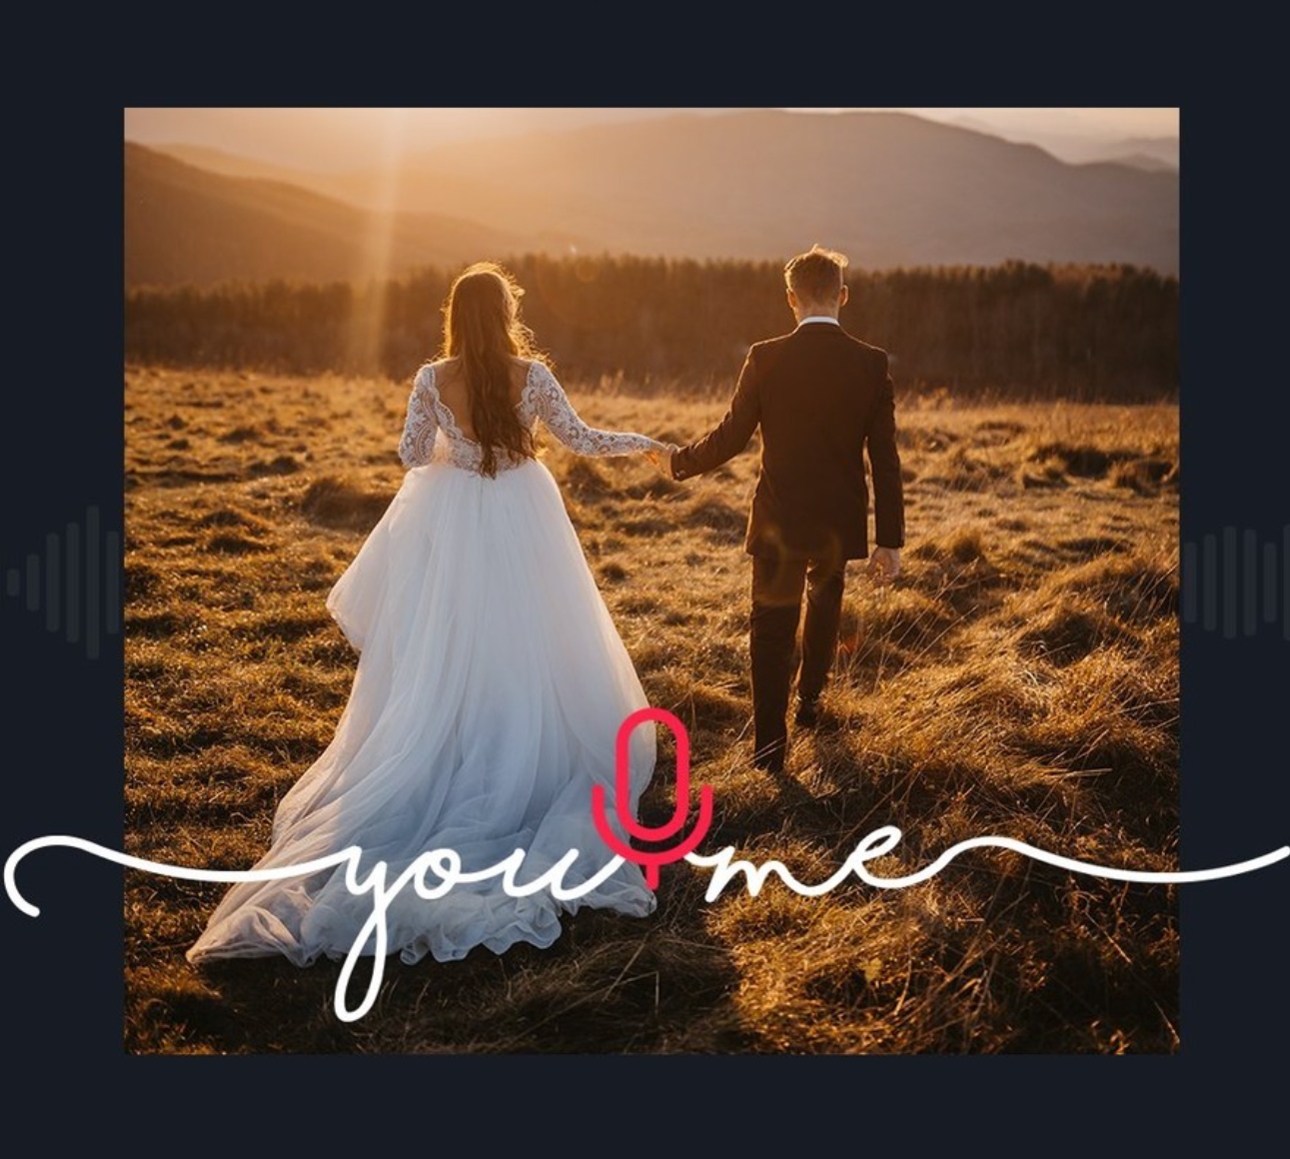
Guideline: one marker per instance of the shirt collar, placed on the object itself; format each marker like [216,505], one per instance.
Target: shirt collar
[819,318]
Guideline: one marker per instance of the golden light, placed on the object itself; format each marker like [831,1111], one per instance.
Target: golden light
[376,252]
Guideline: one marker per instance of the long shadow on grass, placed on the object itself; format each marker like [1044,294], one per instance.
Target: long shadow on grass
[610,984]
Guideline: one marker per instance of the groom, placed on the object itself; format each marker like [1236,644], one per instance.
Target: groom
[820,397]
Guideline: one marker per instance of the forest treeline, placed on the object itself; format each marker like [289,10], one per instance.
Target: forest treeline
[1091,333]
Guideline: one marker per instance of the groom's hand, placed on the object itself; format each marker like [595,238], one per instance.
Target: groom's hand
[883,565]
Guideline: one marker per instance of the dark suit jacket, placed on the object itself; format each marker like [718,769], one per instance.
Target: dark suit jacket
[820,397]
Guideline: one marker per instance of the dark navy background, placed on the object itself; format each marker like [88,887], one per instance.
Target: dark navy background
[62,423]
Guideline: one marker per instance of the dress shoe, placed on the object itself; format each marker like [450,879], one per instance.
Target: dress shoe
[771,760]
[808,714]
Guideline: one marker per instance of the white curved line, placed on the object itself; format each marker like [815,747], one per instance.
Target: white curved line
[352,853]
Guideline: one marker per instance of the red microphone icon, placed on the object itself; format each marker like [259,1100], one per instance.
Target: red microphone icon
[651,860]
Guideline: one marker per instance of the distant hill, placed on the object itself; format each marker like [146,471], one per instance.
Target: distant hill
[1162,149]
[1145,161]
[232,165]
[185,224]
[1079,148]
[889,189]
[1156,154]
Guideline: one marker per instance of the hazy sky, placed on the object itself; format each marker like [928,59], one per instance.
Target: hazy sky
[323,139]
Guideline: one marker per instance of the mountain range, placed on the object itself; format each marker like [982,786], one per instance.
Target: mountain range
[888,189]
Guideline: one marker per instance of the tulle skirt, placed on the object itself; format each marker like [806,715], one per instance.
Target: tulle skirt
[488,695]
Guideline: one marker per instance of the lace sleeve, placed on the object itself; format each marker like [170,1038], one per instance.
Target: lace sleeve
[420,427]
[555,410]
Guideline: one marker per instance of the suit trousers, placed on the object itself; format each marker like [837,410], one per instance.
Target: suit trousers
[777,583]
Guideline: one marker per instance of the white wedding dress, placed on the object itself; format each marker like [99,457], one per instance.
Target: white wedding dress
[489,691]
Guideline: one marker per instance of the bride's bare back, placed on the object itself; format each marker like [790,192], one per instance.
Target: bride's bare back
[453,392]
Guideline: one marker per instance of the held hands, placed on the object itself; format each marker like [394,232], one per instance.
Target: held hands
[661,456]
[883,565]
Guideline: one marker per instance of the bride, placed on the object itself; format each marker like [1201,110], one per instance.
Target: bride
[490,686]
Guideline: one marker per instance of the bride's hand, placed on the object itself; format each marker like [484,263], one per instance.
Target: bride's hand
[661,456]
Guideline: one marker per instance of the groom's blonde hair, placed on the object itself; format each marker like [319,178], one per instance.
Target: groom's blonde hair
[817,276]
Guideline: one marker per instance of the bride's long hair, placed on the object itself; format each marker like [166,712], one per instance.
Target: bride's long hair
[482,327]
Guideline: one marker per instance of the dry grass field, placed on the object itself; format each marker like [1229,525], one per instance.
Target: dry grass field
[1021,679]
